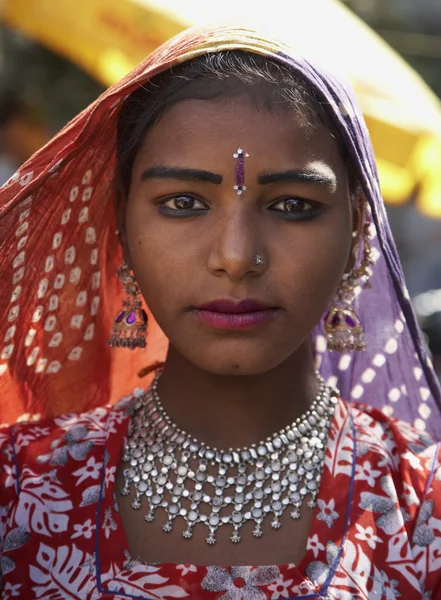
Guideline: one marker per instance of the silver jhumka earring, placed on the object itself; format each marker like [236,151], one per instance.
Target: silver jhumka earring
[130,324]
[344,330]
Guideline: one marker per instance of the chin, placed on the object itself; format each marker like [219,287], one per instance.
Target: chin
[230,364]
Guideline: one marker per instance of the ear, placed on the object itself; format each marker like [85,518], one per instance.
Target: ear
[358,218]
[120,209]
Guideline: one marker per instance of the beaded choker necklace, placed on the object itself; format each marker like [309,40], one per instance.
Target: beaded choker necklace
[175,474]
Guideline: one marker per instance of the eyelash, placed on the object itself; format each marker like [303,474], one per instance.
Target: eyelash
[314,210]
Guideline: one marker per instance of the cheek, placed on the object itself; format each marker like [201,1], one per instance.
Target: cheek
[159,258]
[310,263]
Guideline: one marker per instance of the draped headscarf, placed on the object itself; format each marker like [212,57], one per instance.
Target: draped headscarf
[59,254]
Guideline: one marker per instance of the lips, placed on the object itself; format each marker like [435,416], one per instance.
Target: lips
[231,307]
[230,315]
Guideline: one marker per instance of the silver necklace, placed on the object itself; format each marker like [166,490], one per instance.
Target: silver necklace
[173,471]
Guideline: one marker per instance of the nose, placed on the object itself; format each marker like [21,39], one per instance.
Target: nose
[237,247]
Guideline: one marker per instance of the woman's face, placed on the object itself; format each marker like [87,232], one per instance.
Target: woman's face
[192,240]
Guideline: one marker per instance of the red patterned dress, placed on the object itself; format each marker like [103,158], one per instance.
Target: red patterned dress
[376,532]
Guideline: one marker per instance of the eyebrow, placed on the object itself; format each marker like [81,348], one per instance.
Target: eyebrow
[299,177]
[162,172]
[265,178]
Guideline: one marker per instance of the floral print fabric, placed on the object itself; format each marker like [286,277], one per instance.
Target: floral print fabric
[376,531]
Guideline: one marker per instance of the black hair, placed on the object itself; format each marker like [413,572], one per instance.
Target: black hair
[268,83]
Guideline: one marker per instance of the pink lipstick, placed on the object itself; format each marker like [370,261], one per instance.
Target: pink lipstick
[230,315]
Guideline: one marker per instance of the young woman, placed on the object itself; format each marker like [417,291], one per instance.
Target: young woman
[234,186]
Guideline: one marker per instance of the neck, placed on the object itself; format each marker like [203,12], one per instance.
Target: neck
[237,410]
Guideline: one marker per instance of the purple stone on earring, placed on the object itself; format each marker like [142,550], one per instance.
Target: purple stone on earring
[350,321]
[335,321]
[240,156]
[131,318]
[120,316]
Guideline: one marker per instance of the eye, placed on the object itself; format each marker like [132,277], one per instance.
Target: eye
[297,208]
[183,204]
[293,205]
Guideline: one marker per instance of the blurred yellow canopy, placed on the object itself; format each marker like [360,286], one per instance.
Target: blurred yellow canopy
[108,37]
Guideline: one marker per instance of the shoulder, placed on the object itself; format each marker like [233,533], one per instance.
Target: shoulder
[37,448]
[402,468]
[390,432]
[52,441]
[55,434]
[412,457]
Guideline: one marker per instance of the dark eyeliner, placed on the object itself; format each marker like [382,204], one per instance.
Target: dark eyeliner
[177,214]
[306,216]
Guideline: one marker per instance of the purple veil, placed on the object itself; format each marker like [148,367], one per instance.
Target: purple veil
[395,372]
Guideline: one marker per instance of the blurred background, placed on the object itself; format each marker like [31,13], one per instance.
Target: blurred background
[57,57]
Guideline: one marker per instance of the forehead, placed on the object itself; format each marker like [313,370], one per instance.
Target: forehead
[207,130]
